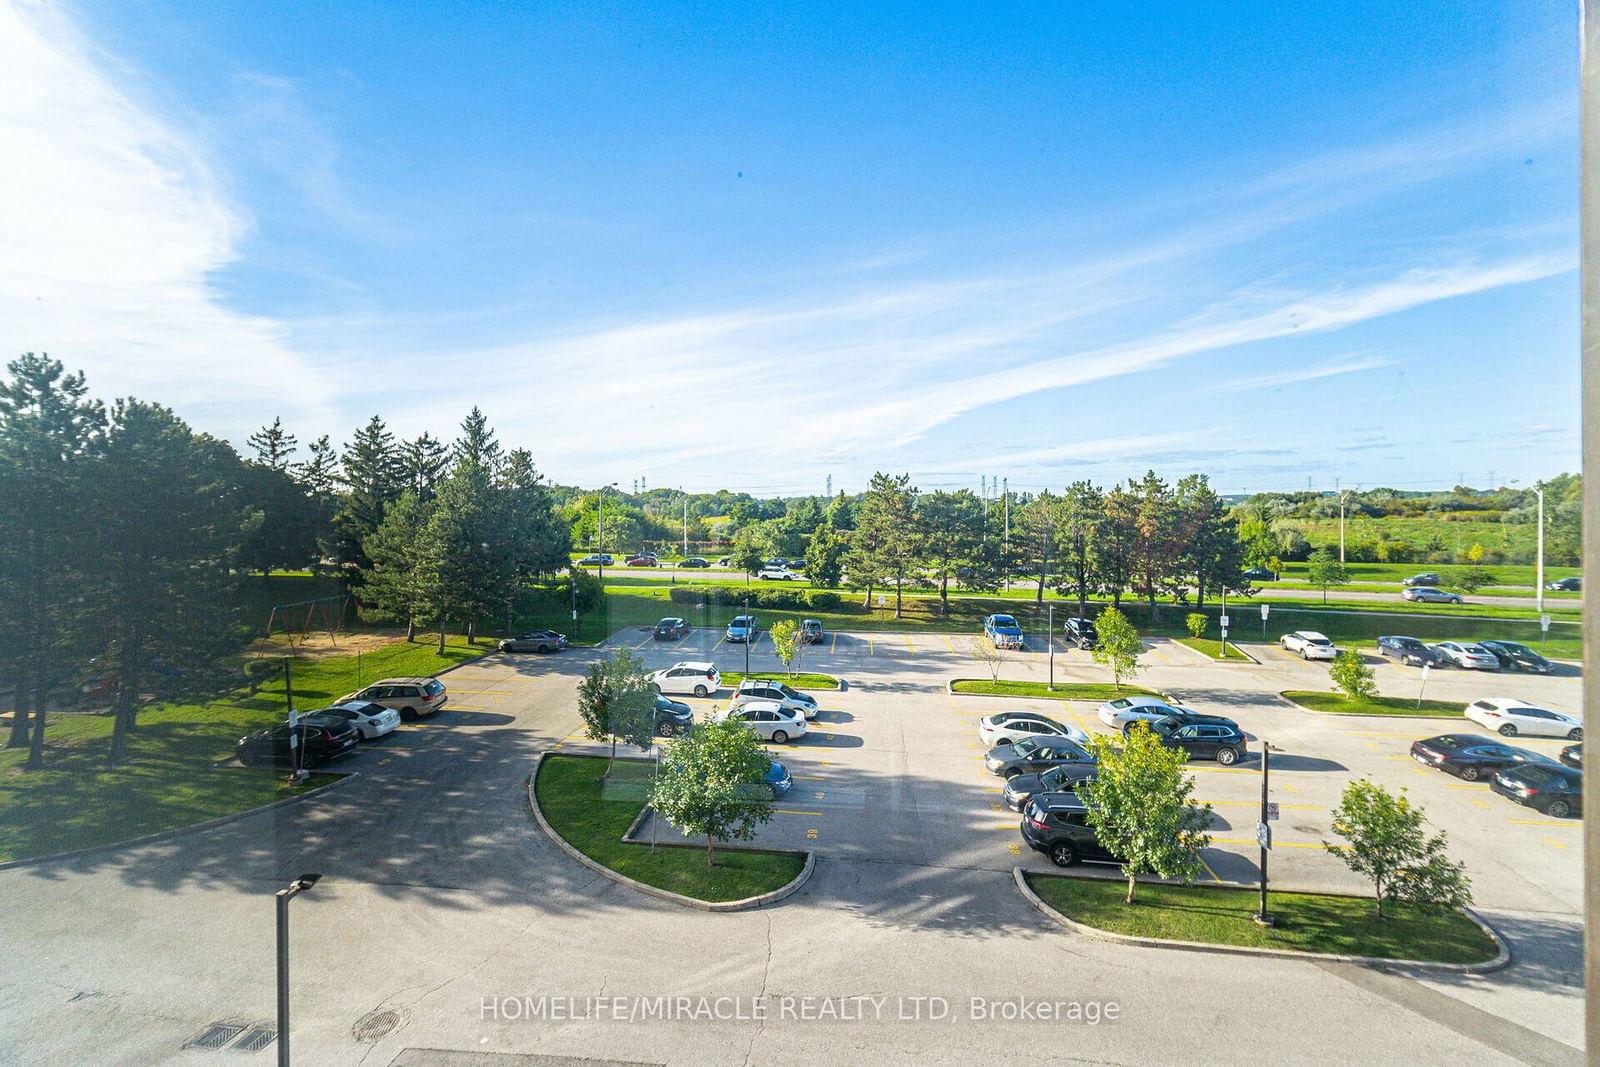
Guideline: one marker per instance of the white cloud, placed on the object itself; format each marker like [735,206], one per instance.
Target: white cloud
[1295,374]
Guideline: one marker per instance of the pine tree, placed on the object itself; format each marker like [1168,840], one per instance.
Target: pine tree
[273,445]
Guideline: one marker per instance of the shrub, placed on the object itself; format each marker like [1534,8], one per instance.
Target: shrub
[1352,675]
[1196,623]
[823,600]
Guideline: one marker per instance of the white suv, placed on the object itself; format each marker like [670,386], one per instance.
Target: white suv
[1310,645]
[777,574]
[698,679]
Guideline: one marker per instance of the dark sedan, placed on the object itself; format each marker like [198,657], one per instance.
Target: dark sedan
[694,562]
[672,716]
[1565,585]
[1022,788]
[1572,756]
[1421,579]
[1221,741]
[1470,756]
[671,629]
[1035,754]
[1260,574]
[318,743]
[1409,651]
[1550,788]
[1513,656]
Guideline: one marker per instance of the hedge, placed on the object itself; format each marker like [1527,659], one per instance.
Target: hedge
[736,596]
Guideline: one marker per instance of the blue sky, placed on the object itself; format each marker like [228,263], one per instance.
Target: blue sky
[754,246]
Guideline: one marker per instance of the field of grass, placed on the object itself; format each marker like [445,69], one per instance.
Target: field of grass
[1063,690]
[592,817]
[1305,922]
[1339,704]
[76,801]
[799,680]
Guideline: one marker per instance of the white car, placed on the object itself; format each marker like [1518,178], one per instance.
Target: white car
[1009,727]
[697,679]
[370,720]
[1309,644]
[1468,655]
[769,720]
[1116,713]
[1510,717]
[777,574]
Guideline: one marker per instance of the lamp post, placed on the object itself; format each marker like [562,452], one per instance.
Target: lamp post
[600,533]
[296,887]
[749,631]
[1050,640]
[1538,566]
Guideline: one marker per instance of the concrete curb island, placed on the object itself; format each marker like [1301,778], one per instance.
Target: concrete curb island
[1020,877]
[746,904]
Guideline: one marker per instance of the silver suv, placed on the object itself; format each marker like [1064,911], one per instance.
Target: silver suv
[785,696]
[411,697]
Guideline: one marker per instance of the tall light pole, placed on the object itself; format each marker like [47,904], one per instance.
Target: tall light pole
[1050,641]
[1538,564]
[1005,547]
[296,887]
[600,528]
[685,522]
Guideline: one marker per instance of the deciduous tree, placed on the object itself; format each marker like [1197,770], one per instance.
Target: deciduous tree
[1385,841]
[1119,646]
[617,702]
[712,782]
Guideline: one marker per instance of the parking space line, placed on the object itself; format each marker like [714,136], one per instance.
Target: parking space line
[1207,866]
[785,811]
[1257,804]
[909,647]
[948,644]
[835,643]
[719,643]
[1276,844]
[1550,823]
[1553,843]
[872,646]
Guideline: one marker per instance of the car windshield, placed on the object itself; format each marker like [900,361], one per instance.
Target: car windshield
[1004,620]
[1025,747]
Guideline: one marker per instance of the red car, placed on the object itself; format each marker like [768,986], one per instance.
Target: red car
[645,560]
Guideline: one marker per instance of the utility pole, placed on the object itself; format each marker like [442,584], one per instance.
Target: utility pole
[685,523]
[1538,570]
[1264,835]
[1342,495]
[1005,547]
[1050,640]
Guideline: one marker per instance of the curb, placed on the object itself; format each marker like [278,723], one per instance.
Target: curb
[950,688]
[193,828]
[1369,714]
[1019,876]
[746,904]
[1229,662]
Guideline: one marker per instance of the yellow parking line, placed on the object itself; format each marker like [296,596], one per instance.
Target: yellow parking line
[872,646]
[948,644]
[1550,823]
[784,811]
[1290,786]
[1276,844]
[1257,804]
[1482,803]
[1207,866]
[810,777]
[1553,843]
[835,643]
[1220,770]
[909,647]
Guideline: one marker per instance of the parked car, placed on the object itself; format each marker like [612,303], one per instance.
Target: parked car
[1221,741]
[1007,727]
[1518,657]
[371,721]
[1430,596]
[596,560]
[1409,651]
[1114,713]
[1510,717]
[694,562]
[318,743]
[672,716]
[1572,755]
[777,692]
[778,574]
[1057,824]
[645,560]
[1468,655]
[701,679]
[1180,716]
[777,778]
[1260,574]
[411,697]
[742,629]
[770,721]
[535,641]
[1062,778]
[1033,754]
[1002,631]
[1470,756]
[1565,585]
[811,631]
[725,561]
[671,629]
[1309,644]
[1420,579]
[1550,788]
[1081,632]
[797,564]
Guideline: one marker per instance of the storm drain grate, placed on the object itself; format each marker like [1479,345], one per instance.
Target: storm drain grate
[215,1036]
[256,1039]
[378,1025]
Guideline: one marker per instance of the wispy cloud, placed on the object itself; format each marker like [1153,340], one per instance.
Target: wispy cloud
[1352,364]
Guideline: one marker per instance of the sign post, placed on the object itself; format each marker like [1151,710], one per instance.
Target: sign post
[1426,667]
[1264,832]
[1544,629]
[1264,609]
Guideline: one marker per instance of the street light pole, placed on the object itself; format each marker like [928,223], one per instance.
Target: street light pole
[1538,570]
[1342,496]
[749,633]
[1050,639]
[296,887]
[1264,832]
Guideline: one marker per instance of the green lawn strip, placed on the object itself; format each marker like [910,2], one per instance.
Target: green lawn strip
[168,781]
[1063,690]
[576,804]
[1207,647]
[1403,707]
[799,680]
[1305,922]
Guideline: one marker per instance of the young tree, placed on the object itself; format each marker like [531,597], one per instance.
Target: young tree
[951,529]
[749,551]
[785,642]
[1323,570]
[1352,676]
[1119,647]
[825,558]
[1196,624]
[984,652]
[1470,581]
[713,782]
[617,701]
[1140,806]
[1385,842]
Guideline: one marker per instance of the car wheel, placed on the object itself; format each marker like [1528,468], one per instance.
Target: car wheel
[1469,774]
[1063,855]
[1558,809]
[1508,730]
[668,729]
[1304,655]
[408,714]
[1575,734]
[779,737]
[700,691]
[1227,756]
[1012,772]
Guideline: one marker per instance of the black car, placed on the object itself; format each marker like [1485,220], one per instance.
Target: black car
[1260,574]
[1565,585]
[318,742]
[1519,657]
[1221,740]
[1057,824]
[1421,579]
[1035,754]
[1555,790]
[1022,788]
[1409,651]
[671,629]
[1081,632]
[1184,717]
[1471,756]
[694,562]
[1572,755]
[672,716]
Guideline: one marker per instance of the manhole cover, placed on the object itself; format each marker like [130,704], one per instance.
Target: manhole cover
[379,1024]
[256,1039]
[215,1036]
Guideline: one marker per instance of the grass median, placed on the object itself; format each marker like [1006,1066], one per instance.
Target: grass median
[591,816]
[1207,647]
[1063,691]
[799,680]
[1403,707]
[1305,922]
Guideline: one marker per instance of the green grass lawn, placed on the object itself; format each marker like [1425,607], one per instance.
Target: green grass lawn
[1339,704]
[1214,649]
[799,680]
[1305,922]
[570,795]
[76,801]
[1063,690]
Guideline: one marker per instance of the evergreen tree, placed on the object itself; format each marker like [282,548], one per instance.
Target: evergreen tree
[273,445]
[886,543]
[951,529]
